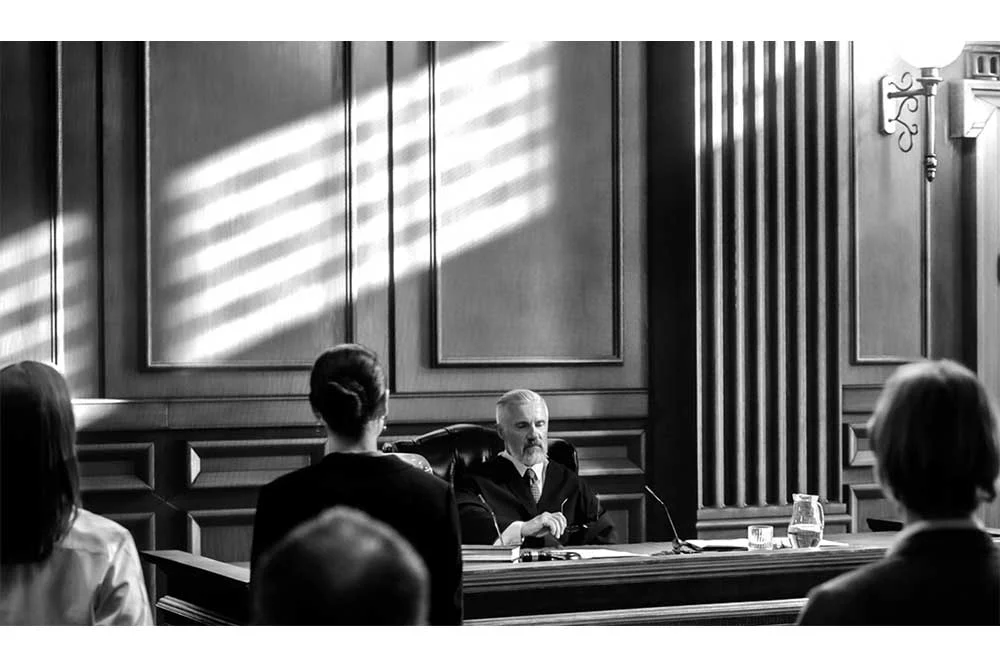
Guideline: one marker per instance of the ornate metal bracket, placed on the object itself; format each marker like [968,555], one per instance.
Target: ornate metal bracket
[895,98]
[899,95]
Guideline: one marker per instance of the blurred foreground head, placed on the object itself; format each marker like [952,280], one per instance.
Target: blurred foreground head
[39,482]
[341,568]
[934,433]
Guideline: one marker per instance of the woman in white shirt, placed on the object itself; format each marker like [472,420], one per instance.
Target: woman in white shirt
[59,563]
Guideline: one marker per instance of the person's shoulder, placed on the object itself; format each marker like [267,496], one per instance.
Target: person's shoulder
[291,481]
[415,477]
[93,533]
[858,581]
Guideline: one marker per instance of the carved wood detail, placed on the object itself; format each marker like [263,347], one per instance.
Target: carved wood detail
[116,467]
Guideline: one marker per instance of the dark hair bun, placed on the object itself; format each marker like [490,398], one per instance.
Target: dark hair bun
[347,389]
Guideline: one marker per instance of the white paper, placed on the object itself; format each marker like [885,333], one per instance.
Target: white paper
[586,553]
[741,542]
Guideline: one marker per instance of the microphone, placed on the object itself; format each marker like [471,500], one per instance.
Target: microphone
[495,524]
[680,546]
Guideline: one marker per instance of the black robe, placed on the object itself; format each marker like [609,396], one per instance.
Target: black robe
[418,505]
[508,496]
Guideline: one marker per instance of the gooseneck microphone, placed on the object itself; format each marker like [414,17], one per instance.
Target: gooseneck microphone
[492,514]
[680,546]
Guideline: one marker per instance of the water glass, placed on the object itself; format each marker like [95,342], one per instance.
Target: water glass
[760,538]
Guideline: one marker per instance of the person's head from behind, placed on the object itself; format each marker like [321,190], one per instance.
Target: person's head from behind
[523,425]
[934,433]
[347,390]
[341,568]
[39,483]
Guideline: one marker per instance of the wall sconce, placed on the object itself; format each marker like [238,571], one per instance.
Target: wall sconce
[902,96]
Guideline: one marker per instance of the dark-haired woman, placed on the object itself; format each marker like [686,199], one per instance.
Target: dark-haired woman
[934,432]
[348,394]
[59,563]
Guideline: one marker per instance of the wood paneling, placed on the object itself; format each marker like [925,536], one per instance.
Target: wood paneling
[30,233]
[534,207]
[245,181]
[224,535]
[768,399]
[474,308]
[116,467]
[238,464]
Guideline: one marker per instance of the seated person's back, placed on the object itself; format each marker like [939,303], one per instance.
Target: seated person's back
[520,496]
[341,568]
[348,393]
[59,563]
[934,433]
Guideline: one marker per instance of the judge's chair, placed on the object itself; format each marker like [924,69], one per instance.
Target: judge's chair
[451,449]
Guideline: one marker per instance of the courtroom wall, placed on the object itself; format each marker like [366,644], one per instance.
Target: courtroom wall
[189,224]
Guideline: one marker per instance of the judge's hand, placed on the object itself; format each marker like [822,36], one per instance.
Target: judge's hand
[553,523]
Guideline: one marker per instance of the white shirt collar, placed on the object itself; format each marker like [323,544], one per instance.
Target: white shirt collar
[539,468]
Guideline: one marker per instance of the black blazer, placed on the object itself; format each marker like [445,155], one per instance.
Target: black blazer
[508,496]
[938,576]
[418,505]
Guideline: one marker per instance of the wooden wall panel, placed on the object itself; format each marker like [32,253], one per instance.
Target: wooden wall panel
[526,174]
[29,225]
[237,464]
[263,180]
[246,182]
[768,399]
[224,535]
[116,467]
[467,309]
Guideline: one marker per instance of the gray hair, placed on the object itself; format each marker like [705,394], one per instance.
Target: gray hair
[517,397]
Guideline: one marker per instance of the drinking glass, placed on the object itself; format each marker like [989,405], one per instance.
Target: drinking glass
[760,538]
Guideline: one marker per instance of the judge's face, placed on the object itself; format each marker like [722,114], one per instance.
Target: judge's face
[524,428]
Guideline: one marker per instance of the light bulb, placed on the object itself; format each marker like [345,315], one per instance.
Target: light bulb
[930,52]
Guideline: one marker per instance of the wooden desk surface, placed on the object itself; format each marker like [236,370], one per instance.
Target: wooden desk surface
[558,587]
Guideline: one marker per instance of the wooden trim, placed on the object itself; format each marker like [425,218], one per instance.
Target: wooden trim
[737,66]
[857,458]
[857,492]
[196,518]
[310,450]
[58,225]
[972,103]
[139,453]
[289,411]
[616,358]
[762,285]
[765,612]
[777,72]
[174,611]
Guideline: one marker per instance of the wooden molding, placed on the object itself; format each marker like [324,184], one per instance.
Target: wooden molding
[856,457]
[198,519]
[972,103]
[294,411]
[763,612]
[238,464]
[129,467]
[859,492]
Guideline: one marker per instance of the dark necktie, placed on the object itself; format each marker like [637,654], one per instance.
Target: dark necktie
[536,489]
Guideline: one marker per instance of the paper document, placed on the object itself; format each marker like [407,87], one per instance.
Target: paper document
[586,553]
[741,543]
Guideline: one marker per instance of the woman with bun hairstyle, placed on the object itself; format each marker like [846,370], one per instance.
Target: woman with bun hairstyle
[59,563]
[348,394]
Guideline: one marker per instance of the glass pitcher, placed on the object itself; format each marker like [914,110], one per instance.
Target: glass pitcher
[805,530]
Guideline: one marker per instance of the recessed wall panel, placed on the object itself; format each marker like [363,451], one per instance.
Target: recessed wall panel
[247,233]
[525,226]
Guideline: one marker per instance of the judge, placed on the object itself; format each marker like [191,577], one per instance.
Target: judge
[522,497]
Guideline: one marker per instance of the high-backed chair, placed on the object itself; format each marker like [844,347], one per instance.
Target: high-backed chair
[451,449]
